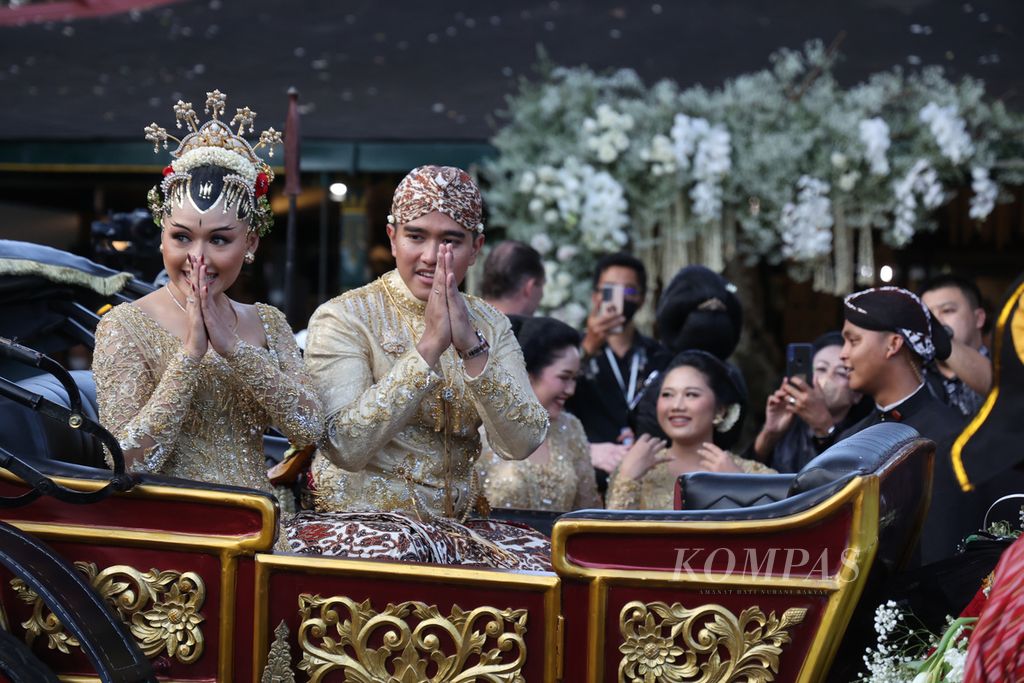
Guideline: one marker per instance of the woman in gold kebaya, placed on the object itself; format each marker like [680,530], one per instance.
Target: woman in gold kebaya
[186,378]
[700,402]
[557,476]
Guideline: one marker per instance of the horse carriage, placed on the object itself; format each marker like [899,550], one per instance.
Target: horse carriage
[106,575]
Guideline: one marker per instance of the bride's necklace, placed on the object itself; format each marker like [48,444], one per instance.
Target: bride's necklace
[183,310]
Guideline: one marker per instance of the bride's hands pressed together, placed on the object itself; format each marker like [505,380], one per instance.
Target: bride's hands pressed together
[196,341]
[220,318]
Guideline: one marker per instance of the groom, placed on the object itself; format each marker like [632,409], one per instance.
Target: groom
[409,368]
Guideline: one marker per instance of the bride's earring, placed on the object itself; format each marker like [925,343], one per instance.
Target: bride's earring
[249,257]
[161,247]
[717,421]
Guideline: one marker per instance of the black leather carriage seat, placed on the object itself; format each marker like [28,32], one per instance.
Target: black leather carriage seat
[863,453]
[710,496]
[32,436]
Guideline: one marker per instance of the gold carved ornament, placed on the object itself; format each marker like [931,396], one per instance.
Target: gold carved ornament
[485,644]
[665,643]
[279,659]
[160,608]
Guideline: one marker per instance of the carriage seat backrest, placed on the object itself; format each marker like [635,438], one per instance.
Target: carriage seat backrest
[862,453]
[31,435]
[747,496]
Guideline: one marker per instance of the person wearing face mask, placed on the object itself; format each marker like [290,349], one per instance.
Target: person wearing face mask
[188,379]
[616,361]
[799,418]
[698,311]
[558,475]
[700,409]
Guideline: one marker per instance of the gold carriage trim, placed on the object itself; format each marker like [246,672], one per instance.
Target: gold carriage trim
[659,643]
[160,608]
[279,660]
[485,644]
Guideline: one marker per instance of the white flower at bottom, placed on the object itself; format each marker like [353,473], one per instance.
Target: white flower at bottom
[957,661]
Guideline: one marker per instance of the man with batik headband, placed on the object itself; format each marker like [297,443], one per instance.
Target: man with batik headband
[889,335]
[409,367]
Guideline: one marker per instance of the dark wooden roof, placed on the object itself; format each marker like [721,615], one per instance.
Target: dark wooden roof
[417,71]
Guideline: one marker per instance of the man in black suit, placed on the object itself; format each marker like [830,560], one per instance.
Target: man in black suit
[889,335]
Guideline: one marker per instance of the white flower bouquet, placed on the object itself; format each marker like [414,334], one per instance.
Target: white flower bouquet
[905,654]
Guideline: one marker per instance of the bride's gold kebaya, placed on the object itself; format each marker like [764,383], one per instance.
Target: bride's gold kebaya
[186,378]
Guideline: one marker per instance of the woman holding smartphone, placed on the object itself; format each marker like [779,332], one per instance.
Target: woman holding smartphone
[700,406]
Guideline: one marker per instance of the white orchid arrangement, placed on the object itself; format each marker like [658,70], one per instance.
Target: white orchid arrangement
[597,161]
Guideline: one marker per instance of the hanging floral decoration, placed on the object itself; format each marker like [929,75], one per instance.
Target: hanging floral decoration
[780,165]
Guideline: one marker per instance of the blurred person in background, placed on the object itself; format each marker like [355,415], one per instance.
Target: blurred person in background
[965,378]
[558,475]
[513,278]
[699,310]
[701,404]
[616,361]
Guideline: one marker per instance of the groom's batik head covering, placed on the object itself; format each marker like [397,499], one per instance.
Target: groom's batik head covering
[444,189]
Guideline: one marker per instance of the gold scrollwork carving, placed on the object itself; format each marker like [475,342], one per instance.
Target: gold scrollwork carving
[665,643]
[160,608]
[485,644]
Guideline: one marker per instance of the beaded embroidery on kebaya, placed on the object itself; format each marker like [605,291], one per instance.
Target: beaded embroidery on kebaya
[207,417]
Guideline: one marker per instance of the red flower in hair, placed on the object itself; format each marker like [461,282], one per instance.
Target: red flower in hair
[168,170]
[262,184]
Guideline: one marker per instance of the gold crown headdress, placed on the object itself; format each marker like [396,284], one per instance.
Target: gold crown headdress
[215,143]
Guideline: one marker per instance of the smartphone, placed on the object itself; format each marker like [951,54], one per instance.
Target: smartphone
[613,299]
[798,361]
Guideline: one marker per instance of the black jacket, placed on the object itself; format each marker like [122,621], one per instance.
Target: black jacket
[599,401]
[953,514]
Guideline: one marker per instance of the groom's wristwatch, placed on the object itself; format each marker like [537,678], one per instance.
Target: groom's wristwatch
[477,350]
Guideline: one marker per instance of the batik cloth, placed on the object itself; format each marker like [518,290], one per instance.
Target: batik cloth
[444,189]
[395,536]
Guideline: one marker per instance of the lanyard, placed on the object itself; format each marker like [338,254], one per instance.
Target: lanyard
[634,371]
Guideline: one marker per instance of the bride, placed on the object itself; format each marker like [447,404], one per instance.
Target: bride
[186,378]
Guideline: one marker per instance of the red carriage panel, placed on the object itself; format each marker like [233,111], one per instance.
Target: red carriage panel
[378,619]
